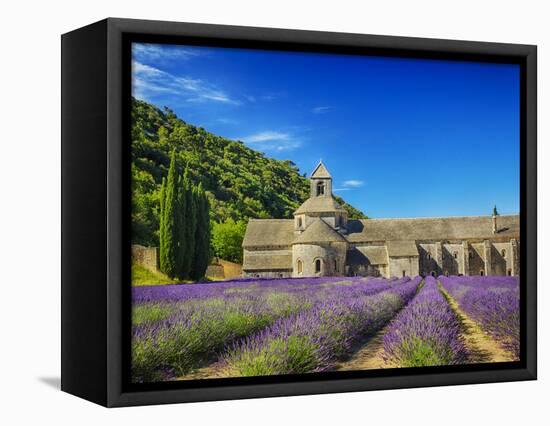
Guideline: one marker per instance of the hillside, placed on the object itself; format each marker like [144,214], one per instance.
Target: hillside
[241,183]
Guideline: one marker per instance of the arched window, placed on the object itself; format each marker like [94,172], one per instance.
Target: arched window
[335,265]
[481,272]
[299,222]
[317,266]
[509,272]
[503,253]
[455,254]
[300,266]
[428,256]
[320,188]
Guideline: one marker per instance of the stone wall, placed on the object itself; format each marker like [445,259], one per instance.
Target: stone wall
[267,274]
[332,257]
[145,256]
[403,266]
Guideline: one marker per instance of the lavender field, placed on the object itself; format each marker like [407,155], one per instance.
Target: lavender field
[254,327]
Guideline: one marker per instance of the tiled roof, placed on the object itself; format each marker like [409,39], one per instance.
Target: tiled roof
[322,204]
[401,248]
[438,229]
[318,232]
[269,232]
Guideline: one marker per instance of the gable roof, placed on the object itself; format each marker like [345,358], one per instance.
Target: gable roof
[320,171]
[448,228]
[322,204]
[375,255]
[318,232]
[401,248]
[269,232]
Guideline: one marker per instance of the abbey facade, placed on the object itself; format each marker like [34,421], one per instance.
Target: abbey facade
[321,241]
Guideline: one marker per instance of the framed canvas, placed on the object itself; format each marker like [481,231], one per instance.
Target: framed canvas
[256,212]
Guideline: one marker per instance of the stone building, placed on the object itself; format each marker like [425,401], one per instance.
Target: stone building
[321,241]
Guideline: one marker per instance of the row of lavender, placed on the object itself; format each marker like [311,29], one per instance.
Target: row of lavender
[425,333]
[313,340]
[179,328]
[493,302]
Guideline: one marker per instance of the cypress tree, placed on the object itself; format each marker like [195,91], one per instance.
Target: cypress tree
[202,235]
[187,223]
[168,228]
[182,247]
[161,232]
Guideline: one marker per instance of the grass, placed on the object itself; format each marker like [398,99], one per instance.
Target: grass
[144,276]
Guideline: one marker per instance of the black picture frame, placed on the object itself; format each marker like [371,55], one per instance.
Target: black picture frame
[95,211]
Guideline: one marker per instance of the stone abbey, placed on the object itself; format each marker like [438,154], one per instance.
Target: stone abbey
[321,241]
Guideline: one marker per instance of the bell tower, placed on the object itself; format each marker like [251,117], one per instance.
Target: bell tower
[321,182]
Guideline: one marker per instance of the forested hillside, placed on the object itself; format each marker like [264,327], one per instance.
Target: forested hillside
[240,183]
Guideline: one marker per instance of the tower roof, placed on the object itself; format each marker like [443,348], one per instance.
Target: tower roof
[321,171]
[318,232]
[325,204]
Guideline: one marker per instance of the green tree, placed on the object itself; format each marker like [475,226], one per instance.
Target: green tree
[202,235]
[227,239]
[169,223]
[188,226]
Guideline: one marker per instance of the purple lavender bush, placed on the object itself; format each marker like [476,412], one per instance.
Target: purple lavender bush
[312,340]
[178,328]
[493,302]
[425,333]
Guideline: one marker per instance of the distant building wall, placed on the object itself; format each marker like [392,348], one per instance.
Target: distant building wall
[403,266]
[145,256]
[267,274]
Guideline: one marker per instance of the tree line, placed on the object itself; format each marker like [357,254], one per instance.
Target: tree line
[184,233]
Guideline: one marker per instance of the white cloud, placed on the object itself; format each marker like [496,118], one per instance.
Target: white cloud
[148,81]
[353,183]
[320,109]
[270,140]
[349,185]
[157,52]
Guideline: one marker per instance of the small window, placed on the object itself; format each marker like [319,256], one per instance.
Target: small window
[404,272]
[509,272]
[503,253]
[280,275]
[299,266]
[299,222]
[455,254]
[481,272]
[428,256]
[335,265]
[320,188]
[317,266]
[433,273]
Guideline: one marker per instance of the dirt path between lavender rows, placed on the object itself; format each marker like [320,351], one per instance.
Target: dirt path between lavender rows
[481,346]
[367,356]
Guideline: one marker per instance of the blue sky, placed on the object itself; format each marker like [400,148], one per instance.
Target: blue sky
[401,137]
